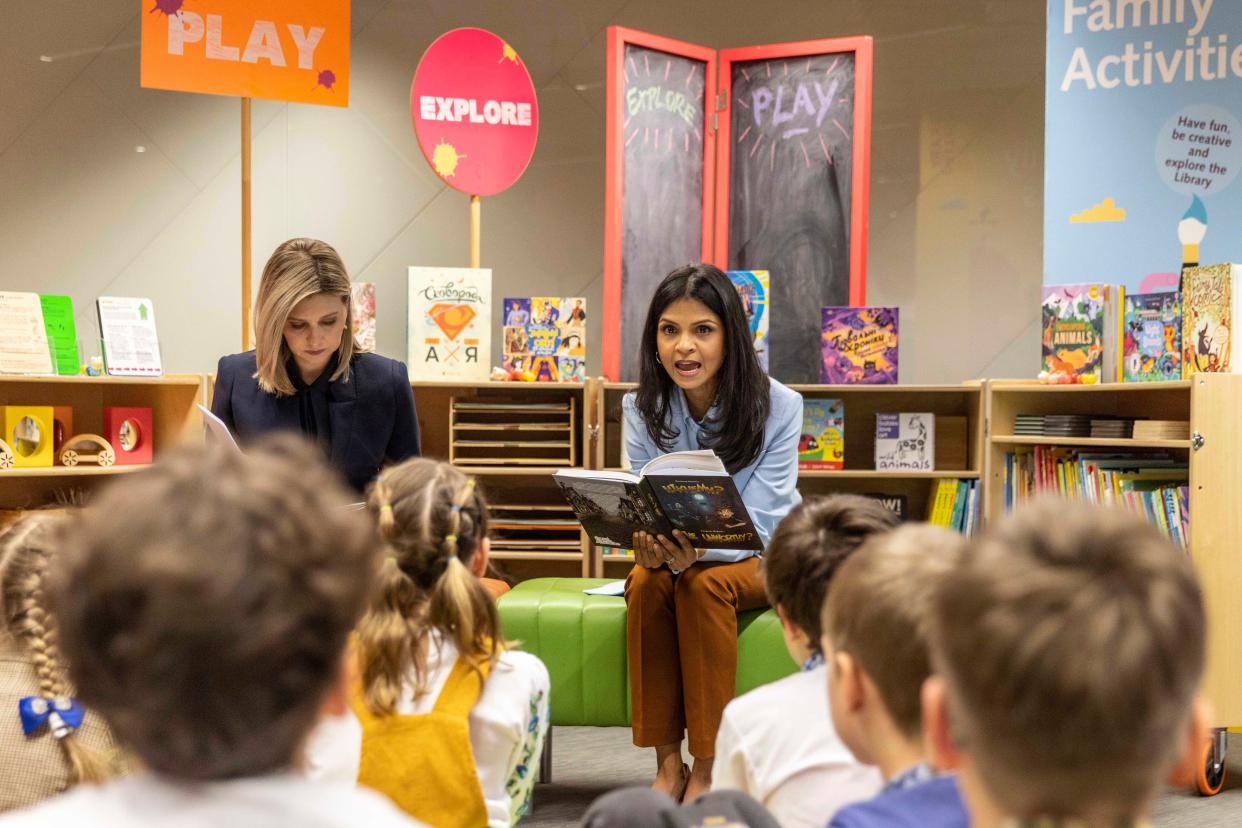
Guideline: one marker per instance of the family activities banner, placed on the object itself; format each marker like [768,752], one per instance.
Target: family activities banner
[1142,144]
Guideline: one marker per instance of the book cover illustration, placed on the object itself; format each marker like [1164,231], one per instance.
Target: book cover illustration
[1206,319]
[709,511]
[905,442]
[754,288]
[23,336]
[546,335]
[1073,330]
[130,343]
[1153,336]
[62,334]
[897,504]
[611,510]
[859,346]
[362,296]
[449,327]
[822,445]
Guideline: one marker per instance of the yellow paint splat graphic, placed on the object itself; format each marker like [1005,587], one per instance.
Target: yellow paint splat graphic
[445,159]
[508,53]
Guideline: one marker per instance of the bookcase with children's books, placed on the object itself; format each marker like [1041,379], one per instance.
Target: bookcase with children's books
[155,413]
[512,436]
[1171,451]
[957,414]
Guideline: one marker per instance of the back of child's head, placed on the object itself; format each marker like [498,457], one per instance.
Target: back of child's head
[1071,642]
[809,545]
[205,603]
[433,520]
[879,611]
[27,551]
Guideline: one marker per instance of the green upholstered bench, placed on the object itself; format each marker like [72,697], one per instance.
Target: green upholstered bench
[581,640]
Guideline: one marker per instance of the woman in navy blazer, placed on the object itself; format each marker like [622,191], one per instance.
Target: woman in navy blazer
[306,375]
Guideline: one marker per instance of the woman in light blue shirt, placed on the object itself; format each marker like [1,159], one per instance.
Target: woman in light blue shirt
[700,386]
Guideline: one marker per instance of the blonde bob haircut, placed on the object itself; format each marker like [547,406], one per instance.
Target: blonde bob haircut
[299,268]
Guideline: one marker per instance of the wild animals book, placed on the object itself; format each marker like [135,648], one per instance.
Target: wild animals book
[905,442]
[686,490]
[1210,309]
[1081,330]
[1152,330]
[754,288]
[822,444]
[545,335]
[858,345]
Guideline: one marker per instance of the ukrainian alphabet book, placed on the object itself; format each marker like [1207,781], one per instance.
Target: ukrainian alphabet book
[450,323]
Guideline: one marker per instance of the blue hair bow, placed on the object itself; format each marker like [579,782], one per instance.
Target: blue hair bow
[62,715]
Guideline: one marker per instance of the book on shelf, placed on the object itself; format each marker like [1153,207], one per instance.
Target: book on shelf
[858,345]
[905,442]
[822,444]
[754,288]
[23,335]
[1082,330]
[546,335]
[1210,298]
[686,490]
[1152,333]
[1154,484]
[131,345]
[362,297]
[897,504]
[954,504]
[449,330]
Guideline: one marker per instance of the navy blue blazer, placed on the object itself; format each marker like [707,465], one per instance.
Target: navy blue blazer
[372,412]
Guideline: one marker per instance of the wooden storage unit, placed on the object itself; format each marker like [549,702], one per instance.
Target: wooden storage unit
[171,398]
[513,437]
[959,444]
[1212,403]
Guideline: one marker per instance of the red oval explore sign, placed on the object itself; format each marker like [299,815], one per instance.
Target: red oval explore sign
[474,111]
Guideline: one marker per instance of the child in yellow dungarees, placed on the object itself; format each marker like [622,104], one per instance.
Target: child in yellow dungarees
[446,721]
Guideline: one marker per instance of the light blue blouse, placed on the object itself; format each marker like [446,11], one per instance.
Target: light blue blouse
[769,485]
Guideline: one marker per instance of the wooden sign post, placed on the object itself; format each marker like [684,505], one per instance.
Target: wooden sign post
[251,49]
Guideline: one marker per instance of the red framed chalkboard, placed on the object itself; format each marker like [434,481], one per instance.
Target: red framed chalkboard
[659,189]
[764,164]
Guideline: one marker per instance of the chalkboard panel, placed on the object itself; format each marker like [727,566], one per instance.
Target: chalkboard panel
[662,202]
[791,192]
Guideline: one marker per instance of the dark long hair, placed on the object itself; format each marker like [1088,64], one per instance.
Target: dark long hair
[735,430]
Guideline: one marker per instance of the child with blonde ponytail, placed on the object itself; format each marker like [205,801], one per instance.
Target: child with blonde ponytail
[46,743]
[446,720]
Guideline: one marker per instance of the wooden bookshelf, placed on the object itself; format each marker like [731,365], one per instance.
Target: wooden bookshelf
[171,398]
[1211,403]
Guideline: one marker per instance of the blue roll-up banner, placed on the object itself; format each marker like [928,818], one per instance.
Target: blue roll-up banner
[1143,139]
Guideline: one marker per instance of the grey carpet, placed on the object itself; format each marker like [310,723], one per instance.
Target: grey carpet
[590,761]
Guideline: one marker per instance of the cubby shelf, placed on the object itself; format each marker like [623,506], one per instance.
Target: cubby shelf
[1090,442]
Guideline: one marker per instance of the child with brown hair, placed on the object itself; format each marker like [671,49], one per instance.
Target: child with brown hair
[797,766]
[875,633]
[204,605]
[1069,649]
[49,742]
[447,721]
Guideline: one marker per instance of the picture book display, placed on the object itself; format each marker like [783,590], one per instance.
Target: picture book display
[23,337]
[131,345]
[362,296]
[546,336]
[1153,337]
[822,444]
[858,345]
[905,442]
[685,490]
[449,330]
[1209,309]
[754,287]
[1082,331]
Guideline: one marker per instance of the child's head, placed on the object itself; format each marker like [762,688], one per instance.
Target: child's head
[27,550]
[433,520]
[806,549]
[1069,647]
[204,605]
[875,634]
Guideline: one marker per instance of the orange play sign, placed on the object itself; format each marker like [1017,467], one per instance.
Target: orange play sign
[248,48]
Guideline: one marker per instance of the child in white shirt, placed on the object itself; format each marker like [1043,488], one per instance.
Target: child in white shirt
[777,742]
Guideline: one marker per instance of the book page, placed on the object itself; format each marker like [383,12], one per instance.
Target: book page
[216,427]
[23,339]
[703,461]
[131,345]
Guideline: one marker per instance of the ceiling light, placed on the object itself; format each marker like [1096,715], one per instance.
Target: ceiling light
[46,58]
[140,148]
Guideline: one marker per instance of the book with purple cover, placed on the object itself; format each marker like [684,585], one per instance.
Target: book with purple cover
[859,346]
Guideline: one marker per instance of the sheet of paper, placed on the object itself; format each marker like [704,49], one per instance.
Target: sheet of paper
[23,339]
[131,346]
[216,427]
[611,588]
[62,334]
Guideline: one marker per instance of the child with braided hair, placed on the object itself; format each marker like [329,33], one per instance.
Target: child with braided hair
[445,719]
[47,744]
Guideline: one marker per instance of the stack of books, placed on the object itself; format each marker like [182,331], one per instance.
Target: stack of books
[1112,428]
[955,504]
[1162,430]
[1052,425]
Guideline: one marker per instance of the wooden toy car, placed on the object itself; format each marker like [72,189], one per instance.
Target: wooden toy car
[87,448]
[7,457]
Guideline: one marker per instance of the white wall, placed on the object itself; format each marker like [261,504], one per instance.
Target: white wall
[956,172]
